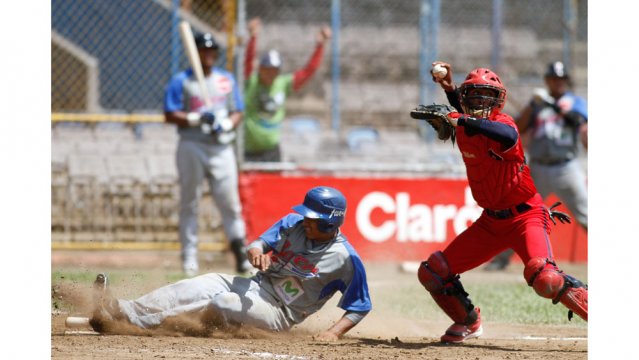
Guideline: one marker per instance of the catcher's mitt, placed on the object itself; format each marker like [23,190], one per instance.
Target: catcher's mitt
[435,115]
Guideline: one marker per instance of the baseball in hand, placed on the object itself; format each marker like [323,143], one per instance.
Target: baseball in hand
[439,71]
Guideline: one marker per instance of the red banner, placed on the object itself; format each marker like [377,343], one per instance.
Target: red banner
[392,219]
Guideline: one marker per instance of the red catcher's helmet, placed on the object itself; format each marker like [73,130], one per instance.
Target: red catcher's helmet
[482,104]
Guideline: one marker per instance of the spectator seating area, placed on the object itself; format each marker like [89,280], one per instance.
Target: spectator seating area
[118,182]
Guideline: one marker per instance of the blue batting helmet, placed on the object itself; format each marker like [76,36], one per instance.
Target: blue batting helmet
[326,204]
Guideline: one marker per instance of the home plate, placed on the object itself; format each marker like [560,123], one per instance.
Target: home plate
[80,332]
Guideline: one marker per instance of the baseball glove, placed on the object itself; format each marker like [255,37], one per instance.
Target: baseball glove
[435,115]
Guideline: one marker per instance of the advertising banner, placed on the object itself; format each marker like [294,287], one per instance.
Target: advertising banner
[388,219]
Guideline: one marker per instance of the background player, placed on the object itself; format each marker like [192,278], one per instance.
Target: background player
[303,259]
[265,92]
[514,214]
[557,120]
[201,155]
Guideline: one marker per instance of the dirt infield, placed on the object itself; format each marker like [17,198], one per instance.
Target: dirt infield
[386,333]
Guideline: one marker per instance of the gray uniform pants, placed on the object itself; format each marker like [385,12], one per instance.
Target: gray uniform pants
[195,162]
[234,298]
[568,182]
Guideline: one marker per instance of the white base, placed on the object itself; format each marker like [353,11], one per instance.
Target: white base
[77,322]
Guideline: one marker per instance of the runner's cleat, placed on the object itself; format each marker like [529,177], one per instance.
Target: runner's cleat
[105,307]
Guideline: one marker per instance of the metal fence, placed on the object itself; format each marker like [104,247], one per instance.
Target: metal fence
[111,60]
[118,55]
[382,44]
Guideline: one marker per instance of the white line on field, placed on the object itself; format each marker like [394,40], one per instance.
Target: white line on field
[262,355]
[553,338]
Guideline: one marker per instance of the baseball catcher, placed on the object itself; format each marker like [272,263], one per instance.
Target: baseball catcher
[436,115]
[514,214]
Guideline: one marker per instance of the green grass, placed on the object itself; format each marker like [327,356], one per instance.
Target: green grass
[124,283]
[71,284]
[499,302]
[505,299]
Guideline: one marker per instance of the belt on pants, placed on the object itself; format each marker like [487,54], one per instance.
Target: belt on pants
[508,213]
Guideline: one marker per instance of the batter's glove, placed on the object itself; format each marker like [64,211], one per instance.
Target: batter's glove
[562,217]
[207,118]
[215,124]
[437,116]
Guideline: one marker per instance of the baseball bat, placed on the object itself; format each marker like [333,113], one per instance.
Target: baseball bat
[188,41]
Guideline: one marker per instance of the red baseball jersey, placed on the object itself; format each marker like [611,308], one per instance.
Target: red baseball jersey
[499,178]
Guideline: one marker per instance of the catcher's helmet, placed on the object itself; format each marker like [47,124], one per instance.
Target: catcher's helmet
[326,204]
[482,78]
[206,41]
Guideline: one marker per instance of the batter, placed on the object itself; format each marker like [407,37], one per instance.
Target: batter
[202,155]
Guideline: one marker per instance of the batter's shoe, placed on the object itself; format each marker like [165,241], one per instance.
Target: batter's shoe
[242,265]
[190,267]
[458,333]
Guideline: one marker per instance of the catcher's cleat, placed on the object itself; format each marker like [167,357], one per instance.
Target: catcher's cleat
[458,333]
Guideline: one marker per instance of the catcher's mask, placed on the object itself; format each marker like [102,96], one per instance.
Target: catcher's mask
[482,93]
[326,204]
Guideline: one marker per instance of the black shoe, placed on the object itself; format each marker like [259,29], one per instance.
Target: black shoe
[501,261]
[105,307]
[496,266]
[99,289]
[241,260]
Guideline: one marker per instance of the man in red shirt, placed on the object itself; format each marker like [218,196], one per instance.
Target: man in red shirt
[514,214]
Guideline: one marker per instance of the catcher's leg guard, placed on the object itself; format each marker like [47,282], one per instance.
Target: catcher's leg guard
[447,290]
[552,283]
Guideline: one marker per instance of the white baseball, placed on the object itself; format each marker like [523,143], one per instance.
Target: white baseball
[439,71]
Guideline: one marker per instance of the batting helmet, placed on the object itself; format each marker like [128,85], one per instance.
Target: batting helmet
[557,69]
[326,204]
[205,41]
[482,78]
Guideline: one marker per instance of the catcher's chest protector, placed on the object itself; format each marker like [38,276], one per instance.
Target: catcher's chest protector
[497,179]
